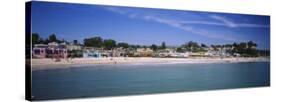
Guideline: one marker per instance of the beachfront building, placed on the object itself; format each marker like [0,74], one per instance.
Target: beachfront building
[224,51]
[99,52]
[197,54]
[180,55]
[164,52]
[74,50]
[236,54]
[119,52]
[228,51]
[170,52]
[39,51]
[71,47]
[143,52]
[209,54]
[52,50]
[130,52]
[56,50]
[91,54]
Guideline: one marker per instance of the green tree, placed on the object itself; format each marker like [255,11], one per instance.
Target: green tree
[180,50]
[133,46]
[138,46]
[191,46]
[122,44]
[109,44]
[235,48]
[53,38]
[153,47]
[242,45]
[246,49]
[75,42]
[144,46]
[35,38]
[251,44]
[235,45]
[228,45]
[163,45]
[93,42]
[203,45]
[46,41]
[251,50]
[242,48]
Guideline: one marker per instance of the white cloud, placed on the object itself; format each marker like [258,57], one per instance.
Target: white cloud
[187,24]
[113,9]
[228,23]
[179,24]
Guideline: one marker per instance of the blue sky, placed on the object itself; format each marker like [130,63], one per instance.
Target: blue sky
[147,26]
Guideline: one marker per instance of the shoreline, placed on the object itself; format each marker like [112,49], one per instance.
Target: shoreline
[41,64]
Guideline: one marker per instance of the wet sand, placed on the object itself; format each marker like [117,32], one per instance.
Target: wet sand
[47,63]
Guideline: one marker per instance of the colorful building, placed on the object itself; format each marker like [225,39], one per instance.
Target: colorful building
[52,50]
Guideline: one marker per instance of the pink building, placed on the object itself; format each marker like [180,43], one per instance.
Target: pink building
[52,50]
[56,53]
[39,53]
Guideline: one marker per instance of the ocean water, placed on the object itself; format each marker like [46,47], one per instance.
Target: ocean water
[132,79]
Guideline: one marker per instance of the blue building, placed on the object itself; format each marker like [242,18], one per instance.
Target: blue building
[91,54]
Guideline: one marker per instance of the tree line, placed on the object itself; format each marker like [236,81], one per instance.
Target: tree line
[243,48]
[94,42]
[110,44]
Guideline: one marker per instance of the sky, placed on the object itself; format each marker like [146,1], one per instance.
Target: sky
[146,26]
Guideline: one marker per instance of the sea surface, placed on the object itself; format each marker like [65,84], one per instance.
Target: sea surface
[135,79]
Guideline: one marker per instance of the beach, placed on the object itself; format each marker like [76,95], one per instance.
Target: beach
[47,63]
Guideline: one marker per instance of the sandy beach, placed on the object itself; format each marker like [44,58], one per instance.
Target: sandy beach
[64,63]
